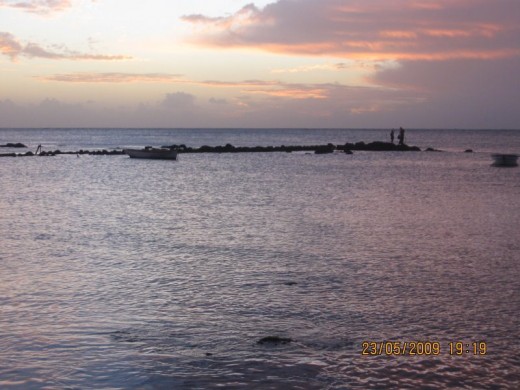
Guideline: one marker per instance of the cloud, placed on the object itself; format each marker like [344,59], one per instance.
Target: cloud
[217,101]
[113,78]
[41,7]
[311,68]
[290,91]
[178,100]
[417,94]
[257,87]
[345,107]
[376,29]
[459,93]
[9,46]
[13,48]
[270,88]
[430,63]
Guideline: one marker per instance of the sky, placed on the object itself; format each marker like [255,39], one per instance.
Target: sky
[260,64]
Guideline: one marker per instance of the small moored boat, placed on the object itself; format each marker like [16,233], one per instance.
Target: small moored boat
[152,153]
[505,160]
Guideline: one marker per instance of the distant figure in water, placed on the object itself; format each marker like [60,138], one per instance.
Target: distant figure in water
[400,137]
[392,136]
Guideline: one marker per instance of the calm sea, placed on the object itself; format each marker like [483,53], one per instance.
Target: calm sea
[118,273]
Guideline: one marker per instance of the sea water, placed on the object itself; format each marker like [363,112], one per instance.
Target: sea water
[123,273]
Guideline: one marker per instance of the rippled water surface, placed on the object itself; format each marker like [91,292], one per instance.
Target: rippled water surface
[122,273]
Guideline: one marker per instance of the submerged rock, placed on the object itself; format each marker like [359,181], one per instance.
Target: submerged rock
[275,340]
[468,151]
[13,145]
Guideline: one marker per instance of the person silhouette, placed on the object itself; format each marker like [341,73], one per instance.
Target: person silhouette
[401,136]
[392,136]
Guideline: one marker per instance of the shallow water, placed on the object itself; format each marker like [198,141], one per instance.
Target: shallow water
[123,273]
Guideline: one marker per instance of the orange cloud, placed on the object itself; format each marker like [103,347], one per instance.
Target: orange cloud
[292,93]
[263,87]
[310,68]
[366,51]
[382,29]
[113,78]
[11,47]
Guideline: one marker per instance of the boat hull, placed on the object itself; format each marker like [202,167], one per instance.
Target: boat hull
[152,153]
[505,160]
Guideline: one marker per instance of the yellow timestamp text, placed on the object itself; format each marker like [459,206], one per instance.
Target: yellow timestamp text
[423,348]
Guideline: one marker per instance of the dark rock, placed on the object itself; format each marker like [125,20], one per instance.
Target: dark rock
[432,150]
[275,340]
[228,148]
[291,283]
[209,354]
[324,149]
[13,145]
[378,146]
[468,151]
[317,149]
[406,148]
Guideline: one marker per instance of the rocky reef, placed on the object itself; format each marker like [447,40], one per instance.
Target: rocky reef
[317,149]
[347,148]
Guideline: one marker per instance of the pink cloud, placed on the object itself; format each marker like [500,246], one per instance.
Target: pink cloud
[42,7]
[11,47]
[377,29]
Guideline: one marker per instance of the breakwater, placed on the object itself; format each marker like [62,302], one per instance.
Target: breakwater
[319,149]
[228,148]
[58,152]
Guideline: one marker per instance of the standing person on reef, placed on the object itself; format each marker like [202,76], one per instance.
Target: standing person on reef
[392,136]
[401,136]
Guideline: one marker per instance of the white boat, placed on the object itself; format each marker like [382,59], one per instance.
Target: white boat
[505,160]
[152,153]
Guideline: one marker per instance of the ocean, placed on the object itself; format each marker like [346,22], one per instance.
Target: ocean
[381,270]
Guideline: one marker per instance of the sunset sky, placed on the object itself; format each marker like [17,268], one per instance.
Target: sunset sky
[263,63]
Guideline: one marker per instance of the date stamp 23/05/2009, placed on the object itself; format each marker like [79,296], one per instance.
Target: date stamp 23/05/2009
[423,348]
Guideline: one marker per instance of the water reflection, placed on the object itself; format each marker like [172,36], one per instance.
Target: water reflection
[117,273]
